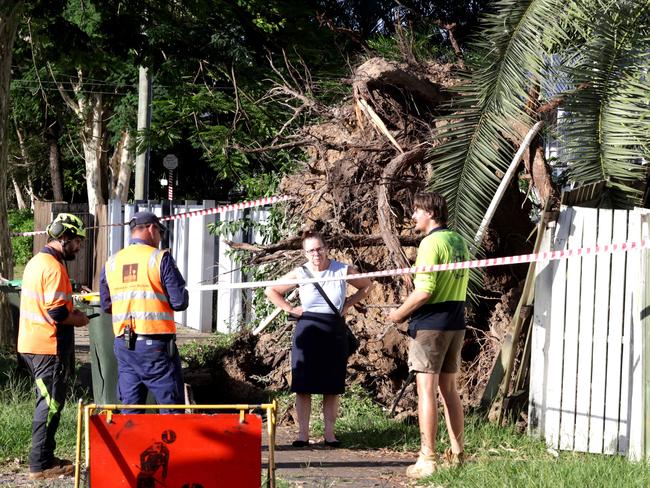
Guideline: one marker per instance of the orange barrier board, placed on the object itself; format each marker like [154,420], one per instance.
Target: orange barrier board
[184,451]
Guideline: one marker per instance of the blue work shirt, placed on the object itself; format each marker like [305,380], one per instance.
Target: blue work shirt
[170,277]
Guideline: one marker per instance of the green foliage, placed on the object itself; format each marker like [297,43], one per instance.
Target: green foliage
[592,53]
[607,115]
[424,45]
[84,15]
[199,354]
[21,221]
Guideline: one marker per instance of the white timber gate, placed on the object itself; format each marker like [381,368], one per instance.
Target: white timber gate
[588,350]
[202,258]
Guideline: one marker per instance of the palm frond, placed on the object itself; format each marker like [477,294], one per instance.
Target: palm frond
[475,141]
[606,119]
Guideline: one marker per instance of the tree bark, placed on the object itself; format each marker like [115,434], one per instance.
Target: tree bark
[270,252]
[9,17]
[121,165]
[20,201]
[55,166]
[386,224]
[454,44]
[89,109]
[92,140]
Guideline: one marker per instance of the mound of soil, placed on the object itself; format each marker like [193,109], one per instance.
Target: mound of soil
[366,160]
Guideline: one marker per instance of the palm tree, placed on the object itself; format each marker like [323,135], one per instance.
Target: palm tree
[589,57]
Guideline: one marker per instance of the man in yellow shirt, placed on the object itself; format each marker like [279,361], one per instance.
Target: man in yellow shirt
[437,329]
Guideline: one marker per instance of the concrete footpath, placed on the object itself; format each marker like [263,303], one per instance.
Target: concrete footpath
[320,466]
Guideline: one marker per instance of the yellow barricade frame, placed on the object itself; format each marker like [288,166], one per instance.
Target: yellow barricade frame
[84,412]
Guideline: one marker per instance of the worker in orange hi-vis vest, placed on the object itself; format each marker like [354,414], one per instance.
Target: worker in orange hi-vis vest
[141,287]
[46,338]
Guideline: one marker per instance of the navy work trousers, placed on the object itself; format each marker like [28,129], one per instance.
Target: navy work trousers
[50,374]
[149,366]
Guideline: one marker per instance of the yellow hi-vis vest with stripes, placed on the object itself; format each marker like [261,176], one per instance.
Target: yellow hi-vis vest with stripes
[137,295]
[46,286]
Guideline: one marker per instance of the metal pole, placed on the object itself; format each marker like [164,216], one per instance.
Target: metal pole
[170,185]
[144,124]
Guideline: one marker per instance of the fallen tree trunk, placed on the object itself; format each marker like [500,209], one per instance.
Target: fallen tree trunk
[386,224]
[270,252]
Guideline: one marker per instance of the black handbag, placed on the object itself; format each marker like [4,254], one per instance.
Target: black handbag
[350,338]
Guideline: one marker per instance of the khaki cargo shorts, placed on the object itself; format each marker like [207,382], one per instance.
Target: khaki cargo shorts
[436,351]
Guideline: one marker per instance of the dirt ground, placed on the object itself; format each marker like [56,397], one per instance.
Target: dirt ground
[320,466]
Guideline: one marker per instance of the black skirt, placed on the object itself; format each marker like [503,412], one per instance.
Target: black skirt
[319,355]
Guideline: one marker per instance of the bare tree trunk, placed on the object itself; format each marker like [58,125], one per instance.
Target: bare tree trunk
[93,137]
[89,109]
[9,17]
[55,167]
[121,165]
[454,44]
[19,195]
[9,10]
[30,193]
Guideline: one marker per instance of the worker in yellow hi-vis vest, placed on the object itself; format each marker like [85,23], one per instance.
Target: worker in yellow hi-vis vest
[141,287]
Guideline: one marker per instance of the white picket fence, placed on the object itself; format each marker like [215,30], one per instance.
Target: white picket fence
[202,258]
[587,351]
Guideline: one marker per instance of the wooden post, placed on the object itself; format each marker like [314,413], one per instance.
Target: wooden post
[501,372]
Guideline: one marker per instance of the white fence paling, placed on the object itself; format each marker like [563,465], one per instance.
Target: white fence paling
[201,258]
[230,302]
[586,373]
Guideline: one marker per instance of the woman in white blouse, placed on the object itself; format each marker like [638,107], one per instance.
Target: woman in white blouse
[319,349]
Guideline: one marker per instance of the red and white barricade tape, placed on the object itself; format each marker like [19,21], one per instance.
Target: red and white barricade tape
[227,208]
[476,263]
[260,202]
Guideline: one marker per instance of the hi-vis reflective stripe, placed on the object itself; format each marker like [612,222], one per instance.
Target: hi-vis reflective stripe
[143,316]
[47,297]
[154,257]
[35,317]
[137,295]
[53,406]
[476,263]
[110,264]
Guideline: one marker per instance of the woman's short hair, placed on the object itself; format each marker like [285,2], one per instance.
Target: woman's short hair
[434,203]
[311,234]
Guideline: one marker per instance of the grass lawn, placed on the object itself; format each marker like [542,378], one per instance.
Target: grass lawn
[17,401]
[499,457]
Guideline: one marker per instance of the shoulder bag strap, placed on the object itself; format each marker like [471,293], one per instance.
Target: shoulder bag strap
[322,292]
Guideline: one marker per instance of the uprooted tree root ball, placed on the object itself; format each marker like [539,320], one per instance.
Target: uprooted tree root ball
[366,160]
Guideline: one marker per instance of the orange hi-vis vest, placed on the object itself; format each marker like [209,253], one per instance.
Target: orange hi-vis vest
[137,294]
[46,286]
